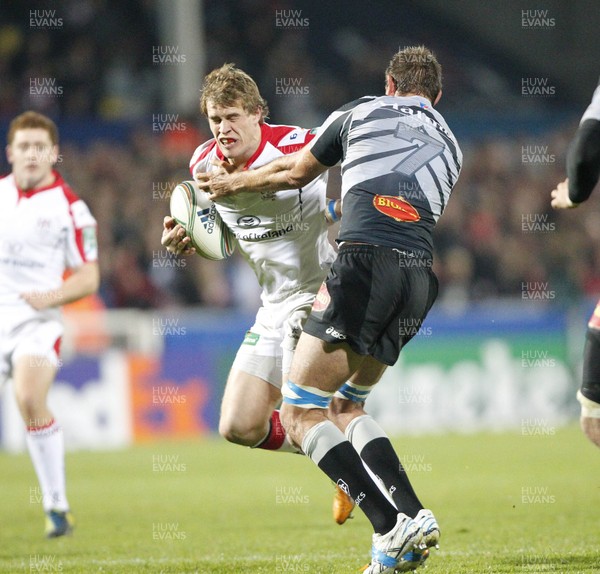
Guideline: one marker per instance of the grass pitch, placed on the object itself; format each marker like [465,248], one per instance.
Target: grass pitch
[525,502]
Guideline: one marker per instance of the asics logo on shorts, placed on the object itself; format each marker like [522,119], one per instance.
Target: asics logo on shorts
[334,333]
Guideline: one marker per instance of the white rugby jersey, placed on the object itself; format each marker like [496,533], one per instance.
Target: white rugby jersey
[282,235]
[42,232]
[400,162]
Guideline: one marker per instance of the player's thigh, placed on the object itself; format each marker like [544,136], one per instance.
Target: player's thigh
[322,365]
[35,360]
[292,329]
[33,376]
[248,400]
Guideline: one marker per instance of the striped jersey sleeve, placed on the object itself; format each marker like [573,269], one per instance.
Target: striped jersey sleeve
[583,157]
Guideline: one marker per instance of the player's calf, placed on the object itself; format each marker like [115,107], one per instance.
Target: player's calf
[589,394]
[590,418]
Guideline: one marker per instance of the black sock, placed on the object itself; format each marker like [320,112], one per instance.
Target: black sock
[379,455]
[343,465]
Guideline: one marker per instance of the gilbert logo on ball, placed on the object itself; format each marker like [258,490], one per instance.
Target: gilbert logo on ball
[192,209]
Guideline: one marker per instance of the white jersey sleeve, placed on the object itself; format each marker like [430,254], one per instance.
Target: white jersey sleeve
[82,244]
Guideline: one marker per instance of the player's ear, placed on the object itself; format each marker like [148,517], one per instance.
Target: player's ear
[437,98]
[9,155]
[390,86]
[54,154]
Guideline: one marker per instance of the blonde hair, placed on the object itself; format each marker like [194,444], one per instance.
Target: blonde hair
[227,85]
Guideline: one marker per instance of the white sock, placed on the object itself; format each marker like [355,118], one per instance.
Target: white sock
[47,451]
[359,432]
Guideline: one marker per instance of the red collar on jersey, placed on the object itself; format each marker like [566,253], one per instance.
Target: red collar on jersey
[58,180]
[266,135]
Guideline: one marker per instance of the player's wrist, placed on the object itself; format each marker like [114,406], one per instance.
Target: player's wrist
[333,212]
[54,298]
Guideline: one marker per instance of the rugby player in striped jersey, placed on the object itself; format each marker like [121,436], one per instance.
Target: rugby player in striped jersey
[400,162]
[583,171]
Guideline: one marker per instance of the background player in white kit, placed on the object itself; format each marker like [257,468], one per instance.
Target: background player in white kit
[44,230]
[282,236]
[583,170]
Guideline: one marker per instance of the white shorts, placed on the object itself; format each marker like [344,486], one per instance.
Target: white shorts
[37,337]
[269,345]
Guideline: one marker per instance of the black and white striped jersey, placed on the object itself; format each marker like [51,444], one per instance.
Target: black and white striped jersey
[399,164]
[583,157]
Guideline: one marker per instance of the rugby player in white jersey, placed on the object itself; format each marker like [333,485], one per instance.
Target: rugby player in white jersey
[400,162]
[282,236]
[583,171]
[45,229]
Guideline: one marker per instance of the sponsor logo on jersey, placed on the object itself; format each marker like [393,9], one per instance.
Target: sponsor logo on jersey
[247,221]
[322,299]
[335,333]
[271,234]
[207,218]
[251,338]
[396,207]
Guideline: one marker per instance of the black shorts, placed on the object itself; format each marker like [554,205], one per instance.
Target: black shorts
[375,299]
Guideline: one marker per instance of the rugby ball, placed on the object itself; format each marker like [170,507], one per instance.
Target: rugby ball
[191,208]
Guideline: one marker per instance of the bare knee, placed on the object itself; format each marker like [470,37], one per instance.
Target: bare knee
[32,381]
[32,408]
[249,434]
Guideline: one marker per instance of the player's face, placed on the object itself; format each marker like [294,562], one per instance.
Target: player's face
[32,155]
[236,131]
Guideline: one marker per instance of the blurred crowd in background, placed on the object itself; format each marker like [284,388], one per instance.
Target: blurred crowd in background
[497,238]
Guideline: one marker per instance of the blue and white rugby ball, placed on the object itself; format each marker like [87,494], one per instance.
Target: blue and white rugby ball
[191,208]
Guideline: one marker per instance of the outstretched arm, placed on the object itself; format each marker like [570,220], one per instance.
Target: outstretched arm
[583,167]
[287,172]
[583,161]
